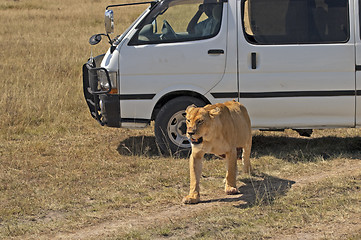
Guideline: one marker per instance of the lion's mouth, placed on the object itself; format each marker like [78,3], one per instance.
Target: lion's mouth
[196,141]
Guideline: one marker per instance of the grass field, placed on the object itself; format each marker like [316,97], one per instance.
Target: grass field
[63,176]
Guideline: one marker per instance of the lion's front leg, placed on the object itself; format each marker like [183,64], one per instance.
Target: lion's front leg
[231,176]
[195,169]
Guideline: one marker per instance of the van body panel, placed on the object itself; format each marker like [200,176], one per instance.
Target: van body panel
[332,78]
[357,12]
[143,109]
[111,61]
[330,117]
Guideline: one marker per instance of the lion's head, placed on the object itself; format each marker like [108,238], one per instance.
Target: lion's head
[199,121]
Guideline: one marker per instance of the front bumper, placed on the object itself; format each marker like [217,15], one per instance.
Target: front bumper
[104,107]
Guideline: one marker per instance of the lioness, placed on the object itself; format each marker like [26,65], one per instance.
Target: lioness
[222,129]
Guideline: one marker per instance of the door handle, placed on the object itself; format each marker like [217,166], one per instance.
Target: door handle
[254,60]
[215,51]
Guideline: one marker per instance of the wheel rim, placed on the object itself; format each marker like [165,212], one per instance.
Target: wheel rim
[177,128]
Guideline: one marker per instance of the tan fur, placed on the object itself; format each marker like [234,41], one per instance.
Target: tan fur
[222,129]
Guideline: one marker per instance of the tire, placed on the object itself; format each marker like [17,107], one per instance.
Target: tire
[170,125]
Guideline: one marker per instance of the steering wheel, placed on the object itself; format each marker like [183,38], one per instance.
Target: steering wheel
[167,31]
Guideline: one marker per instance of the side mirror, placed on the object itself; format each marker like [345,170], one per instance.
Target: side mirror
[109,21]
[95,39]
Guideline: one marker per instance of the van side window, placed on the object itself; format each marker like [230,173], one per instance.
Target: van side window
[178,21]
[296,21]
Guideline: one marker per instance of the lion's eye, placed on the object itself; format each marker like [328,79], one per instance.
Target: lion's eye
[188,121]
[200,121]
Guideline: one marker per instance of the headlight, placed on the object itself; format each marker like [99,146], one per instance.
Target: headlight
[104,81]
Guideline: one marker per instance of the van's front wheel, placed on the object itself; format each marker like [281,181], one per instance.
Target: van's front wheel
[170,125]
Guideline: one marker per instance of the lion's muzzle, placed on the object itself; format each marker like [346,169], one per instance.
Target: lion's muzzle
[194,140]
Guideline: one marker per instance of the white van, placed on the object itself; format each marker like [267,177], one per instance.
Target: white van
[293,64]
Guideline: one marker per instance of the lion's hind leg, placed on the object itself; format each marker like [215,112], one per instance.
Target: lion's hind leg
[231,176]
[246,153]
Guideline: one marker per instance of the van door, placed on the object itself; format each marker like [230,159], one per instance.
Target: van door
[180,46]
[358,62]
[297,63]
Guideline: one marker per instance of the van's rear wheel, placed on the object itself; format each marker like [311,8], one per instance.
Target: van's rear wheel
[170,125]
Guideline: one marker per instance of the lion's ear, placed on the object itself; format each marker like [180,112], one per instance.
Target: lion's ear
[214,112]
[190,107]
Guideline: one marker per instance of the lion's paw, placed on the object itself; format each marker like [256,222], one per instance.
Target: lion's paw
[191,199]
[231,190]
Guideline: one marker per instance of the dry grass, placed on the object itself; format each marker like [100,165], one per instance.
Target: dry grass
[60,183]
[43,46]
[60,171]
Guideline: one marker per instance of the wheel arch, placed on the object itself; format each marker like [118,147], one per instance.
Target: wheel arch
[172,95]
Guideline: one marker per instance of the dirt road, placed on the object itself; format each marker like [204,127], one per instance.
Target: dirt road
[173,213]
